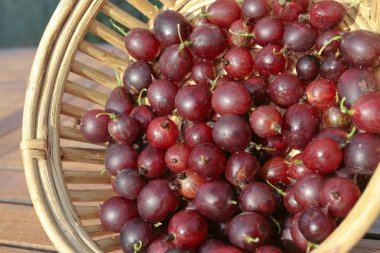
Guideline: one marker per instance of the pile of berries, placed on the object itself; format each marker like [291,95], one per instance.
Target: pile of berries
[216,145]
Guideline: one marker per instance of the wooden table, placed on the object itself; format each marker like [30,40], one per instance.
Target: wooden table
[20,230]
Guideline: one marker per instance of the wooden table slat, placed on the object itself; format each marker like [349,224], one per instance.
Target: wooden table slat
[19,226]
[7,249]
[13,188]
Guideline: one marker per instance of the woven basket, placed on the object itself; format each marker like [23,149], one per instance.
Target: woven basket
[67,200]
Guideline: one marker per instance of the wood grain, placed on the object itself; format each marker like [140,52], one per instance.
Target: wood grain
[106,57]
[107,34]
[367,246]
[94,74]
[121,16]
[14,249]
[13,188]
[10,121]
[19,226]
[86,93]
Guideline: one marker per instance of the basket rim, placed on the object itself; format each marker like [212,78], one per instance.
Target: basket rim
[40,146]
[38,153]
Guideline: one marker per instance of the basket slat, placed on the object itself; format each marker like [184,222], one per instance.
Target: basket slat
[93,74]
[108,58]
[87,212]
[145,7]
[86,93]
[86,177]
[109,244]
[179,4]
[92,156]
[107,34]
[90,195]
[72,110]
[121,16]
[168,3]
[73,134]
[98,230]
[375,14]
[191,9]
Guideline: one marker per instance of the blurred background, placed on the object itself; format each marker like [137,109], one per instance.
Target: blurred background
[22,22]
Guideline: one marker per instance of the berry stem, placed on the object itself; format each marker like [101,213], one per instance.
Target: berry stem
[157,224]
[281,192]
[183,43]
[310,246]
[343,108]
[215,82]
[242,34]
[176,115]
[337,53]
[119,28]
[284,50]
[181,138]
[112,115]
[119,81]
[139,99]
[137,246]
[297,162]
[336,38]
[203,12]
[303,17]
[276,223]
[351,133]
[283,2]
[178,121]
[232,202]
[249,239]
[260,147]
